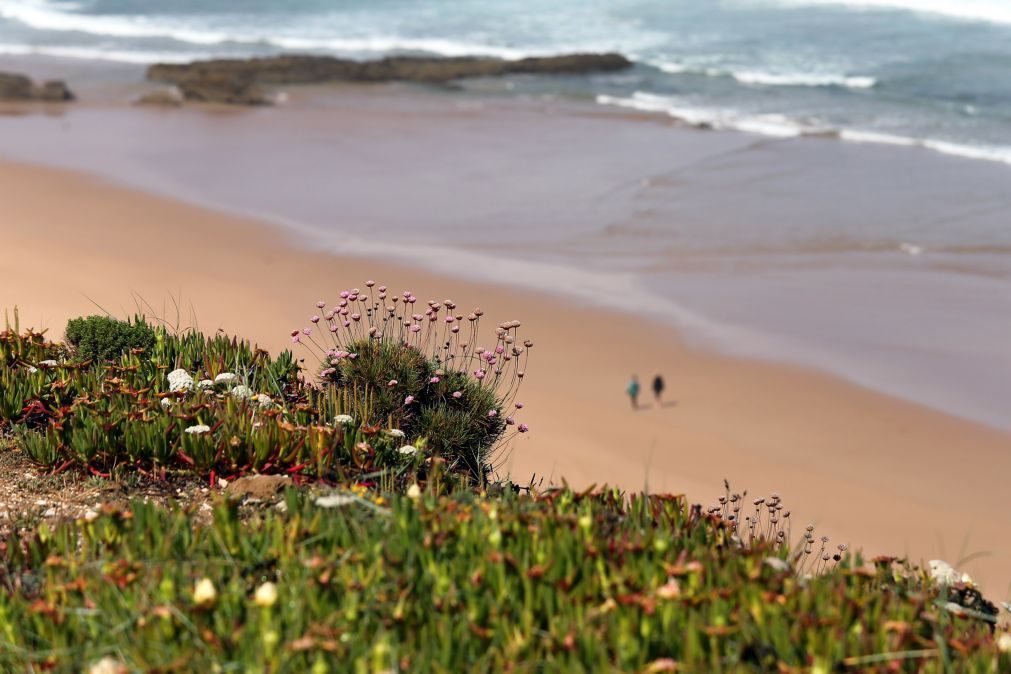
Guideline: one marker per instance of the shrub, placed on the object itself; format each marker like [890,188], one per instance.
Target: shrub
[558,582]
[106,338]
[423,373]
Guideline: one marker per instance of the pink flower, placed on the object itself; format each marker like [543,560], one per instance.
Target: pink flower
[314,319]
[450,319]
[455,328]
[457,394]
[519,406]
[492,413]
[345,294]
[294,333]
[321,304]
[434,380]
[295,339]
[356,317]
[408,400]
[523,428]
[479,374]
[307,331]
[510,421]
[415,328]
[370,283]
[382,289]
[499,349]
[392,382]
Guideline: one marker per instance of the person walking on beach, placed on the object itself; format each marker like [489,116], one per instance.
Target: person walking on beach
[633,391]
[658,389]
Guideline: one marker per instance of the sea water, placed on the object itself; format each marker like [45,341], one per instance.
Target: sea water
[858,221]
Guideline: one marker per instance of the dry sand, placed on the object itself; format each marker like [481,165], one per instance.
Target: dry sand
[877,473]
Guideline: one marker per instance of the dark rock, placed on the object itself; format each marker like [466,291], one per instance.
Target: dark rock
[204,77]
[222,86]
[54,91]
[20,88]
[171,97]
[15,87]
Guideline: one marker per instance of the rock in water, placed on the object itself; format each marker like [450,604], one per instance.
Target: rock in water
[222,86]
[171,97]
[20,88]
[15,87]
[222,78]
[54,91]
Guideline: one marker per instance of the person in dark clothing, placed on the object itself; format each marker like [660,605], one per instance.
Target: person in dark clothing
[658,389]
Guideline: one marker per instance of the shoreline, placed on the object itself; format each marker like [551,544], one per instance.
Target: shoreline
[872,471]
[677,217]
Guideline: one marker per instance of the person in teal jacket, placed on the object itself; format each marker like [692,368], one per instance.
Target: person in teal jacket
[633,391]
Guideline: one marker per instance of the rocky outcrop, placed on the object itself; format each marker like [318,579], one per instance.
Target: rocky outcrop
[169,97]
[19,88]
[235,80]
[223,86]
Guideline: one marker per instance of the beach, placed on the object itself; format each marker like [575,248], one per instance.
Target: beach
[878,473]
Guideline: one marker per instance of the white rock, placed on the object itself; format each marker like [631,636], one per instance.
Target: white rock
[335,500]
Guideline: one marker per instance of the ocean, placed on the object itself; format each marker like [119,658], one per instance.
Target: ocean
[930,73]
[852,218]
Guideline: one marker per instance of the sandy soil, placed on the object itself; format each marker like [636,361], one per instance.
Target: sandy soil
[880,474]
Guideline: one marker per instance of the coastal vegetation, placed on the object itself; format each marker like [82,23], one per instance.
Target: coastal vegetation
[397,546]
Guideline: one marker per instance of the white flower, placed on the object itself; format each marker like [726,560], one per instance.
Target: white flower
[90,516]
[227,378]
[180,380]
[166,403]
[777,563]
[48,363]
[242,392]
[942,572]
[204,593]
[266,595]
[205,384]
[264,401]
[1004,643]
[199,429]
[343,420]
[396,432]
[408,450]
[107,665]
[967,580]
[414,491]
[32,369]
[335,500]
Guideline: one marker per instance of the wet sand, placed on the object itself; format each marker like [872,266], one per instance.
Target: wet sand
[887,266]
[878,473]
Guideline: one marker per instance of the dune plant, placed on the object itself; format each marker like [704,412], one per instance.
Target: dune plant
[107,338]
[553,582]
[423,370]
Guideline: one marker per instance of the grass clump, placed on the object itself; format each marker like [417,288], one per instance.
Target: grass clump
[107,338]
[552,582]
[422,371]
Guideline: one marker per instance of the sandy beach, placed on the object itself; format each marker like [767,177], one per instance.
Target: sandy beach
[878,473]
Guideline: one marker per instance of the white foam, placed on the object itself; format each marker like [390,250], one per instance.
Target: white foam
[993,11]
[100,54]
[781,126]
[804,80]
[46,16]
[775,125]
[772,79]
